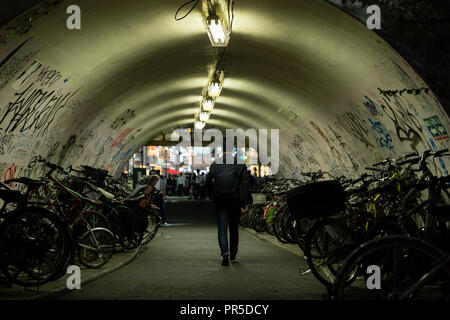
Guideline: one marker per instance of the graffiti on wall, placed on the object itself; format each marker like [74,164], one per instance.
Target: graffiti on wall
[121,137]
[355,126]
[334,152]
[383,137]
[372,107]
[345,148]
[441,161]
[35,108]
[17,60]
[10,172]
[122,119]
[301,147]
[407,126]
[25,22]
[436,128]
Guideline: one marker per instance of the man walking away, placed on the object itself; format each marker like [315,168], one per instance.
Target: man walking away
[229,186]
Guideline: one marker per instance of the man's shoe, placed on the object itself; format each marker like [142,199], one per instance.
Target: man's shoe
[225,261]
[232,257]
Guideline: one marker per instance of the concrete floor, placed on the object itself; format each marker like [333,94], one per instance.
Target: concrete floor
[184,263]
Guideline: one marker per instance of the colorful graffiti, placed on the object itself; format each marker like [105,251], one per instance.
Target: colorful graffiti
[436,128]
[384,138]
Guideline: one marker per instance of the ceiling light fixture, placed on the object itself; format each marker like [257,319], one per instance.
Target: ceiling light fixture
[215,87]
[199,125]
[217,31]
[204,116]
[208,104]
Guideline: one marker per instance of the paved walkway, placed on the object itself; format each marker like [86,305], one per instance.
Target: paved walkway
[183,262]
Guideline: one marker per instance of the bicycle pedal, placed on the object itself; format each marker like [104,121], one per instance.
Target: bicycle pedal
[304,271]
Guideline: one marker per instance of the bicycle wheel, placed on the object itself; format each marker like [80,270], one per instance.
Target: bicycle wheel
[290,229]
[327,245]
[122,225]
[97,220]
[243,220]
[33,246]
[259,223]
[303,226]
[278,223]
[96,247]
[154,221]
[402,261]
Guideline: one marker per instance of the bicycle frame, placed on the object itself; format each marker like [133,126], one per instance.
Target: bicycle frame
[443,262]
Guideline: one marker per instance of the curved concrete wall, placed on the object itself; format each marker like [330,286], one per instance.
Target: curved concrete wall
[95,95]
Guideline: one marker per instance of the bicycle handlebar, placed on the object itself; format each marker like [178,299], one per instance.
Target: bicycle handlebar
[409,161]
[52,166]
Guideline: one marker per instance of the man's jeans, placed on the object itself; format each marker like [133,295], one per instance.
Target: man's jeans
[228,214]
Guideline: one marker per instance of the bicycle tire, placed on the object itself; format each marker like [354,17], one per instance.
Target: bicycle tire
[330,240]
[96,244]
[259,223]
[122,225]
[277,224]
[377,248]
[22,240]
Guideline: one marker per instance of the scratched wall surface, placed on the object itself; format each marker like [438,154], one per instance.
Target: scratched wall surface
[377,124]
[336,91]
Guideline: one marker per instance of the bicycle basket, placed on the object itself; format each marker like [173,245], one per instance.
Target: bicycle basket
[259,198]
[98,176]
[317,199]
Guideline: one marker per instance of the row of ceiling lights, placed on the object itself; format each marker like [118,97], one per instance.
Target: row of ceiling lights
[219,35]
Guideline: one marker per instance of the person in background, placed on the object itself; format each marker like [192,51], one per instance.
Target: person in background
[174,185]
[193,186]
[160,199]
[255,173]
[202,179]
[169,185]
[180,188]
[197,185]
[187,184]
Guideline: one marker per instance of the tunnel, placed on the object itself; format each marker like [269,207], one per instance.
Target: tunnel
[96,88]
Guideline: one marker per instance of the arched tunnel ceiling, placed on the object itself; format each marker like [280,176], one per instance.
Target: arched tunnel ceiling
[133,73]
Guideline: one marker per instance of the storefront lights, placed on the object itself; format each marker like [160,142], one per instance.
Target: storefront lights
[204,116]
[217,31]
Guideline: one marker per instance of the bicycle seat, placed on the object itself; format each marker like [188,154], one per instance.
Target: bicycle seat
[27,181]
[92,201]
[106,194]
[11,195]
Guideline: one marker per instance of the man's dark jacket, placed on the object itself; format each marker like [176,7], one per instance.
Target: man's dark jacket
[241,179]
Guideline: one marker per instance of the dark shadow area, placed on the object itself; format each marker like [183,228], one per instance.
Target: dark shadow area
[183,262]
